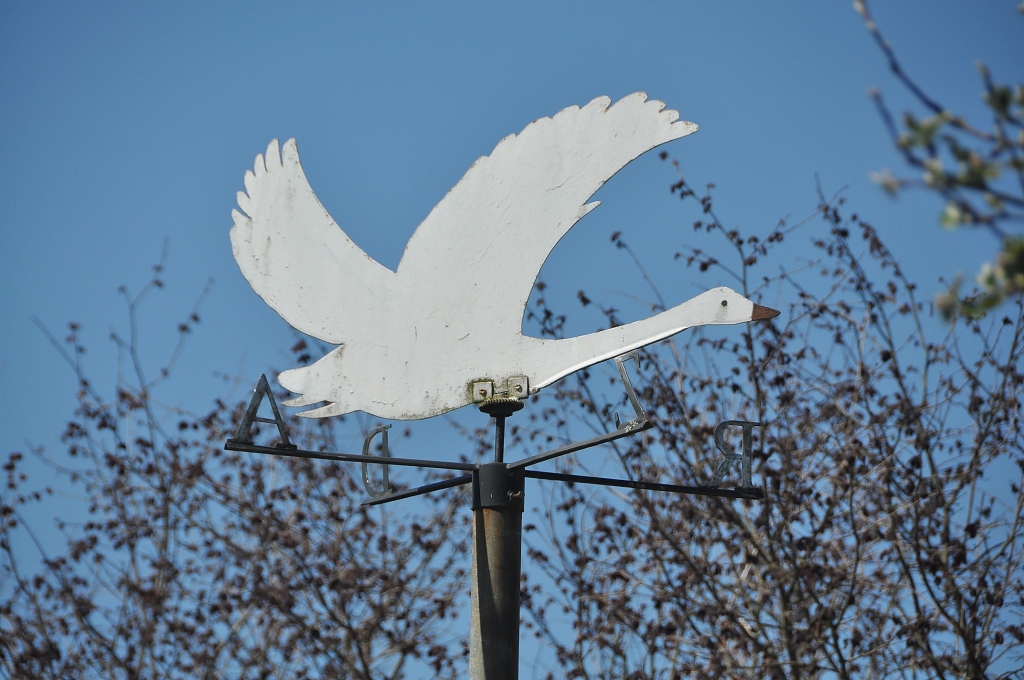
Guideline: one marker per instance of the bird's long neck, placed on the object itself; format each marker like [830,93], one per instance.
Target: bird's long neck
[559,358]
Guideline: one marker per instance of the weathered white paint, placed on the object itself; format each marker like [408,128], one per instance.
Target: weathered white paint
[412,341]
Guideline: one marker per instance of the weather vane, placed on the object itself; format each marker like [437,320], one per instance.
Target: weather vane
[444,329]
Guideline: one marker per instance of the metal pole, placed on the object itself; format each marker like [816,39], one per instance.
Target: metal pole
[497,559]
[499,438]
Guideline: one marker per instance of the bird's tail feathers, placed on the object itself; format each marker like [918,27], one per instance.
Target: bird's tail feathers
[295,380]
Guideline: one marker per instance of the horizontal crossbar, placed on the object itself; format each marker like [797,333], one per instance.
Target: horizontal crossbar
[235,445]
[579,446]
[753,494]
[419,490]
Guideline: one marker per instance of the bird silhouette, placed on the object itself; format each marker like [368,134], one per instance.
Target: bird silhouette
[413,342]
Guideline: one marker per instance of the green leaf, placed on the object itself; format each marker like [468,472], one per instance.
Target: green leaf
[951,217]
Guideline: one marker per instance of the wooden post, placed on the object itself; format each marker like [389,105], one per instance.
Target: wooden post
[497,559]
[494,637]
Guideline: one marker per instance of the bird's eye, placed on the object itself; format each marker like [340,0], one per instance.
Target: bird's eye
[725,303]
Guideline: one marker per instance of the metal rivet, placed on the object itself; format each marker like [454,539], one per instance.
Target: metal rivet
[483,393]
[725,303]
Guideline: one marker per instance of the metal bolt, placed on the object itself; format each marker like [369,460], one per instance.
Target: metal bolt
[725,303]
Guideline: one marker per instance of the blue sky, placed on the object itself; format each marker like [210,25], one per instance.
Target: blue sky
[128,124]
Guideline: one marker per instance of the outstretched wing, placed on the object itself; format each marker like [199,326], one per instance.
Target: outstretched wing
[296,258]
[489,236]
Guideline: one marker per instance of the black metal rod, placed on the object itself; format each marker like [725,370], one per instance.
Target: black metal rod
[499,439]
[233,445]
[427,488]
[577,446]
[749,494]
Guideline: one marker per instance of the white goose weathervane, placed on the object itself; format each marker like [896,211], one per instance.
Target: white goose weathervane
[418,341]
[445,329]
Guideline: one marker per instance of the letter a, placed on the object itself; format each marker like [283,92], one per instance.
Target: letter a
[244,433]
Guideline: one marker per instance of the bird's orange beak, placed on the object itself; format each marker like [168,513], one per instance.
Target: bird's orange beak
[761,313]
